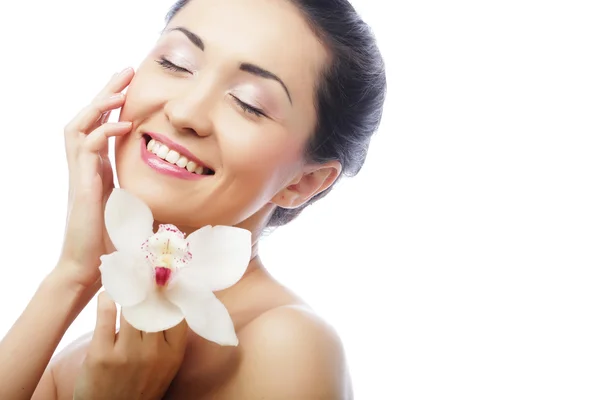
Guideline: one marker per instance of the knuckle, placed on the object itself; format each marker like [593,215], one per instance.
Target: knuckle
[94,105]
[120,360]
[87,144]
[97,359]
[105,305]
[104,359]
[83,147]
[69,128]
[105,311]
[98,106]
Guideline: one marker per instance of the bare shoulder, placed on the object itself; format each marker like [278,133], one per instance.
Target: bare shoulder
[290,352]
[67,364]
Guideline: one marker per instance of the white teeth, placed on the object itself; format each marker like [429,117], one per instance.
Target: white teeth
[172,157]
[182,162]
[151,144]
[191,166]
[163,151]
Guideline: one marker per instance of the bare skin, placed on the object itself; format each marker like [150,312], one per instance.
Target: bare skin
[279,337]
[285,351]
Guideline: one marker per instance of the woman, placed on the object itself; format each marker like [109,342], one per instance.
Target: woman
[272,101]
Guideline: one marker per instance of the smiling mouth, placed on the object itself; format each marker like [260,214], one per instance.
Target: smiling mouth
[173,157]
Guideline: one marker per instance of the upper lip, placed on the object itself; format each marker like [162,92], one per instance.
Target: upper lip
[177,147]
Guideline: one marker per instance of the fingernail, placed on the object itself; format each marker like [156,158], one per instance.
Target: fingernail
[125,124]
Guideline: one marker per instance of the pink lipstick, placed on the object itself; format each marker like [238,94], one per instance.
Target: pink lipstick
[167,168]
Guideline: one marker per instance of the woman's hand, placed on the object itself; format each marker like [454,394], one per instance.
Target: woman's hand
[130,365]
[91,182]
[72,283]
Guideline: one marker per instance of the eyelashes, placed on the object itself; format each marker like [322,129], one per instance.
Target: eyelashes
[247,108]
[166,64]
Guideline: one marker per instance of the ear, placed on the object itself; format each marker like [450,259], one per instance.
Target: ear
[312,180]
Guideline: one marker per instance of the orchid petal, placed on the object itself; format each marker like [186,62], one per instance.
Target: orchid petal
[221,254]
[154,314]
[126,278]
[204,313]
[128,220]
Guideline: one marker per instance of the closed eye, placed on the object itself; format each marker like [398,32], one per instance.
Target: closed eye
[248,108]
[166,64]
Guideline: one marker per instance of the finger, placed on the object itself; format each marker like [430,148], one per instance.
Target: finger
[86,118]
[153,339]
[106,319]
[89,156]
[176,337]
[106,172]
[104,118]
[98,139]
[129,337]
[107,99]
[111,91]
[90,173]
[117,83]
[91,117]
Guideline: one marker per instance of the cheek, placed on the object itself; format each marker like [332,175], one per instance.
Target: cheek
[257,166]
[265,152]
[145,95]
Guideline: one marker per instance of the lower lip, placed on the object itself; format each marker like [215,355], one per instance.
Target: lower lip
[164,167]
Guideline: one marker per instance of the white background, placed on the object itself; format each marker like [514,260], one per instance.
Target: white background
[461,263]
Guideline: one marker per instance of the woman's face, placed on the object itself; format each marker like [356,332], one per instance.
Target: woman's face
[230,84]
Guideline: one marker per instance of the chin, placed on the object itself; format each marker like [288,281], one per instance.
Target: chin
[171,206]
[162,206]
[187,204]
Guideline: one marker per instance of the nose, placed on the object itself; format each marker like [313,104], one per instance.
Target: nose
[190,110]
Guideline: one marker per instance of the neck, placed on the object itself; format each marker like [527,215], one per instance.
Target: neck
[255,224]
[255,270]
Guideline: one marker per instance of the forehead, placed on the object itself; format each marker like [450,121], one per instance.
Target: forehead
[270,33]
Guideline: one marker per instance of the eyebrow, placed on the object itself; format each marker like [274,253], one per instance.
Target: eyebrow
[246,67]
[263,73]
[195,39]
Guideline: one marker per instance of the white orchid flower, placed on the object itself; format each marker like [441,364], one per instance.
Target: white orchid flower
[161,278]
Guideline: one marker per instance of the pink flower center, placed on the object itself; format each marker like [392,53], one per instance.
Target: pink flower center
[162,275]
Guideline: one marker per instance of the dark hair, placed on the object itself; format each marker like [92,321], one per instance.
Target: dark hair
[350,95]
